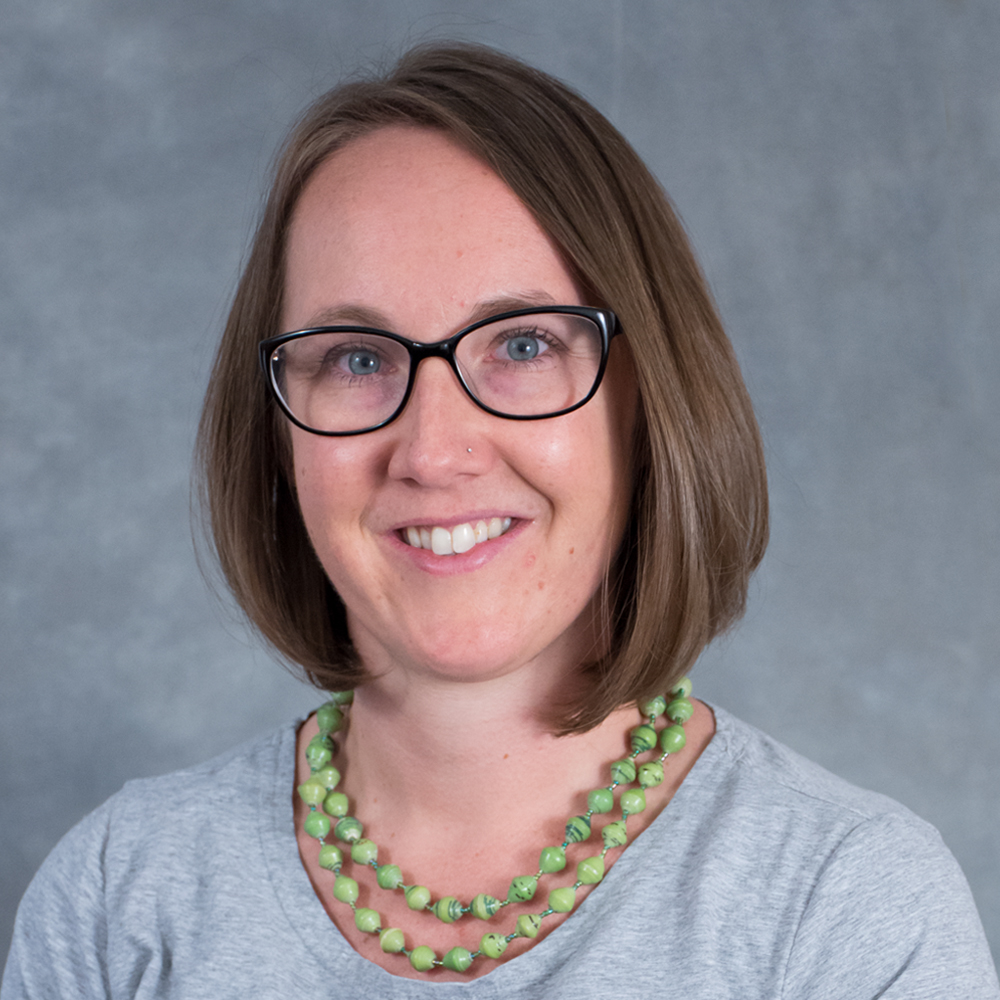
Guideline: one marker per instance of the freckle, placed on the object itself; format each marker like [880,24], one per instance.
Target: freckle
[541,584]
[506,755]
[572,550]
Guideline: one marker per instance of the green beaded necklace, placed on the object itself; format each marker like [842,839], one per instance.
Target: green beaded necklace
[327,805]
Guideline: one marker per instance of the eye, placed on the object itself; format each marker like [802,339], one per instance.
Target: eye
[523,347]
[363,362]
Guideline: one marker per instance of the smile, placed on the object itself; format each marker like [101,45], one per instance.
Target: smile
[455,541]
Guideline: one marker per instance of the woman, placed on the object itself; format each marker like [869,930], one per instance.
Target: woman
[500,479]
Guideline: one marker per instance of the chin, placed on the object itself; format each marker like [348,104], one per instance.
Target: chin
[453,650]
[461,656]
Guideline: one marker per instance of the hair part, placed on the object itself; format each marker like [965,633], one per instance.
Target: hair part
[699,520]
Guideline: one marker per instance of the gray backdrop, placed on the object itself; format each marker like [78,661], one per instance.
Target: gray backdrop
[838,164]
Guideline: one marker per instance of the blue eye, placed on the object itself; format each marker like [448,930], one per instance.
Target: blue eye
[522,348]
[363,362]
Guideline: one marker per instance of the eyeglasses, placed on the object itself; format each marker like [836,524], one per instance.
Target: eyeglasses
[527,364]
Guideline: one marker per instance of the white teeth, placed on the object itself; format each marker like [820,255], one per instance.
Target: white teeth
[462,537]
[441,542]
[459,539]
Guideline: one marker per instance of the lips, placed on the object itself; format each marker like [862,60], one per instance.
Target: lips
[451,541]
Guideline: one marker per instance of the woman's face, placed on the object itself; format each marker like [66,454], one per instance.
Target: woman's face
[405,231]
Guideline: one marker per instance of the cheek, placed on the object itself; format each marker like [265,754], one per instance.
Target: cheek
[310,482]
[601,483]
[329,481]
[586,471]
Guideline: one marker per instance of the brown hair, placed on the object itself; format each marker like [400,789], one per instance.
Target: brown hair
[698,524]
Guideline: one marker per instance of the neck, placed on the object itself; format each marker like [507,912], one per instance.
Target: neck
[463,784]
[464,754]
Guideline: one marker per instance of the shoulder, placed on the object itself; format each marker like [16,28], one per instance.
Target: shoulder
[858,889]
[139,861]
[759,765]
[218,778]
[184,813]
[801,824]
[765,793]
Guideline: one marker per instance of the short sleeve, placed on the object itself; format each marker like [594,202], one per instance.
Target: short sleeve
[890,916]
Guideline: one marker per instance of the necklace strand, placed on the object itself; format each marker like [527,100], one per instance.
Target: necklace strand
[330,808]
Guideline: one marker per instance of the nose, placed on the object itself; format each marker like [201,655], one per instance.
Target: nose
[441,434]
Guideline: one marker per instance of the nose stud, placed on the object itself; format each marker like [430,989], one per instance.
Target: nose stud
[469,450]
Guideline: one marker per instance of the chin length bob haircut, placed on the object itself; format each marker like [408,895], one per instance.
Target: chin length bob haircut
[698,521]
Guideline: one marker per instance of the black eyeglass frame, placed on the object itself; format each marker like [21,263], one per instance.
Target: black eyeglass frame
[604,319]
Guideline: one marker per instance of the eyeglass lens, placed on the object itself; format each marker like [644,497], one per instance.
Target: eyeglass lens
[531,365]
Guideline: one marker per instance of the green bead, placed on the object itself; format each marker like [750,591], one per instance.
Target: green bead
[336,804]
[672,739]
[484,906]
[528,925]
[331,857]
[312,792]
[447,909]
[577,829]
[423,958]
[391,940]
[522,888]
[651,774]
[317,825]
[345,889]
[552,859]
[653,707]
[600,800]
[623,771]
[493,945]
[349,829]
[389,876]
[364,851]
[330,777]
[590,871]
[633,801]
[642,738]
[680,710]
[417,897]
[615,834]
[367,920]
[682,688]
[341,697]
[562,900]
[329,718]
[319,752]
[458,959]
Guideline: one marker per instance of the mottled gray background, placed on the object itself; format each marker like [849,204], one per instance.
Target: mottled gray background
[838,164]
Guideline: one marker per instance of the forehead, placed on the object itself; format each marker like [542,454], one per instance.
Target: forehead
[407,218]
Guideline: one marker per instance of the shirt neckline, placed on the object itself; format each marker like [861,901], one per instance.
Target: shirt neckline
[311,925]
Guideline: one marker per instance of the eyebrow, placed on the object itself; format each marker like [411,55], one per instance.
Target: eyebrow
[352,314]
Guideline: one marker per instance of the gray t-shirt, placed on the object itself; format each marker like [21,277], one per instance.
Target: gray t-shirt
[766,876]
